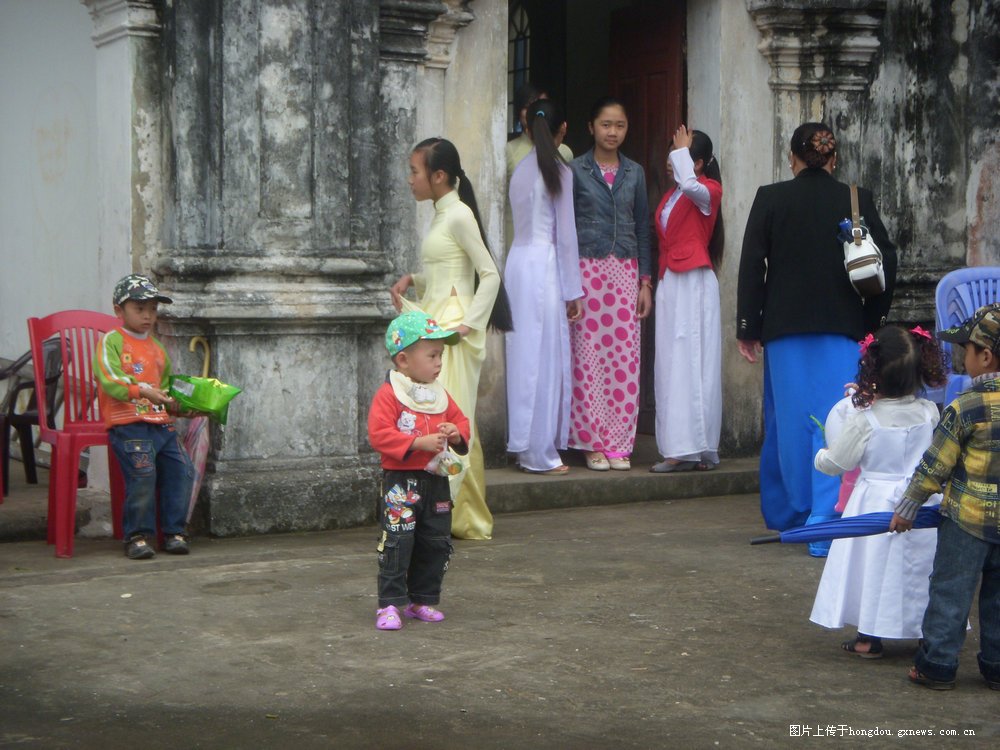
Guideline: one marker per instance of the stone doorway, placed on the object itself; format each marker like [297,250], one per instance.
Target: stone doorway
[632,49]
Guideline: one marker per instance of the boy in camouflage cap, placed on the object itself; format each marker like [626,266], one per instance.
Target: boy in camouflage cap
[963,461]
[133,372]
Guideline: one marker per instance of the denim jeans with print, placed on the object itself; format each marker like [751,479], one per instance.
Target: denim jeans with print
[415,539]
[959,562]
[152,461]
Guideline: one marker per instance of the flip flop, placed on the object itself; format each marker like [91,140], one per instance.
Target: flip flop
[668,467]
[557,471]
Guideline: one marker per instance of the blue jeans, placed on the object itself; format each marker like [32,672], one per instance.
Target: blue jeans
[152,461]
[959,562]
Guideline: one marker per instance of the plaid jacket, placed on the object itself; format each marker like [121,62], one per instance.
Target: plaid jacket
[964,462]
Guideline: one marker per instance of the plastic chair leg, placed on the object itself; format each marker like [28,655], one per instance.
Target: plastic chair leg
[4,457]
[65,486]
[27,441]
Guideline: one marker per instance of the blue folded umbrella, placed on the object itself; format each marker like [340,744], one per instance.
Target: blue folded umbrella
[841,528]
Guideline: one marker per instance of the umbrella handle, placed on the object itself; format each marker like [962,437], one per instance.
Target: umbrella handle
[769,539]
[195,341]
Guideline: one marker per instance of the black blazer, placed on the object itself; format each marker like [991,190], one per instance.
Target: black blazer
[792,277]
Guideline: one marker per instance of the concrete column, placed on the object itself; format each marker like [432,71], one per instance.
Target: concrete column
[126,35]
[821,54]
[287,214]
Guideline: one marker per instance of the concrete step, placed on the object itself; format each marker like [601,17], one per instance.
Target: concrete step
[23,512]
[509,490]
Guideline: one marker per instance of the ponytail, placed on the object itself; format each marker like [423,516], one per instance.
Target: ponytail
[545,119]
[440,154]
[701,148]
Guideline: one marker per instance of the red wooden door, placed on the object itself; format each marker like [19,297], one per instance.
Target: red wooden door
[647,72]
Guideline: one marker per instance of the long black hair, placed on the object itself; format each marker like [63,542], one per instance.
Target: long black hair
[545,119]
[440,154]
[701,148]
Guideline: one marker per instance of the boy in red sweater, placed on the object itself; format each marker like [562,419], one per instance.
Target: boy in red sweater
[413,420]
[133,371]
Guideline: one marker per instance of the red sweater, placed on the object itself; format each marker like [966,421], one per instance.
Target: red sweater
[392,428]
[684,243]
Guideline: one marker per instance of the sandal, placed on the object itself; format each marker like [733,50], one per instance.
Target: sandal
[666,466]
[874,650]
[557,471]
[597,461]
[424,612]
[388,618]
[622,463]
[919,678]
[705,466]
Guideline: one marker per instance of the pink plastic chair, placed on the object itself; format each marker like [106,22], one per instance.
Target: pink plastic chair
[78,333]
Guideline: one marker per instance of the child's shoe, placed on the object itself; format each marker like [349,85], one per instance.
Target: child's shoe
[137,548]
[424,612]
[176,544]
[388,618]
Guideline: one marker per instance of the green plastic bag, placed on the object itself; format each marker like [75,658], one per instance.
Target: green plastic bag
[206,395]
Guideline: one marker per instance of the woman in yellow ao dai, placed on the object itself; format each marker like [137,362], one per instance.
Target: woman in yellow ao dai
[452,254]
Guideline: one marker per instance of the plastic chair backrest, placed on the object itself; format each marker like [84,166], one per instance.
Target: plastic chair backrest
[960,293]
[78,333]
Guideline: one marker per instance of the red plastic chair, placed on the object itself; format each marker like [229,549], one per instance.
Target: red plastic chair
[79,333]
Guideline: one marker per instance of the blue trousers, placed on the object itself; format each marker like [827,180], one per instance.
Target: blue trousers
[152,461]
[959,562]
[804,377]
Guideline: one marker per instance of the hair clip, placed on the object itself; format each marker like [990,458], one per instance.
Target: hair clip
[918,331]
[865,343]
[540,113]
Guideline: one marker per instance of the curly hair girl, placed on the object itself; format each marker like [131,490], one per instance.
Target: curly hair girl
[896,362]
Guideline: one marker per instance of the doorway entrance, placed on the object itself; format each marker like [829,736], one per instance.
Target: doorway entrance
[631,49]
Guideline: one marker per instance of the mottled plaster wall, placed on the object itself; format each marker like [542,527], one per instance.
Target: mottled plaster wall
[275,248]
[932,133]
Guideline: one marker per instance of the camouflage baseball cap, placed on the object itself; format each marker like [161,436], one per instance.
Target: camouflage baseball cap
[982,329]
[137,287]
[411,327]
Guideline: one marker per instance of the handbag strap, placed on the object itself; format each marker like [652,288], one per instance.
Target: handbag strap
[856,230]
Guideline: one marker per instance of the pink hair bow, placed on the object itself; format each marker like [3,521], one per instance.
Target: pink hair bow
[865,343]
[918,331]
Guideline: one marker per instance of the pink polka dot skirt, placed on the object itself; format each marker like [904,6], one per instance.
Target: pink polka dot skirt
[605,345]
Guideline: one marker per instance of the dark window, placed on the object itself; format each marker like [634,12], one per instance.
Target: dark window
[518,58]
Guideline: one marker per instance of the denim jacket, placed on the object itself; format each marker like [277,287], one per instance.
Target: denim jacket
[611,220]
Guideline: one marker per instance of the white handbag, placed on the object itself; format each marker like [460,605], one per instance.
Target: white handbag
[862,258]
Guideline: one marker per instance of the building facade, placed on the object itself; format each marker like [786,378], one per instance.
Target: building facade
[251,155]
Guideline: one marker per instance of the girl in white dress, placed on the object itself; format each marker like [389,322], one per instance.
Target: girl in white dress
[879,583]
[543,282]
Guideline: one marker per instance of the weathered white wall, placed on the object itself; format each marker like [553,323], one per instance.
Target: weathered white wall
[729,98]
[48,195]
[477,125]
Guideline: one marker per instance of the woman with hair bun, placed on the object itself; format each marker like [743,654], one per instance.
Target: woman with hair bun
[543,278]
[794,300]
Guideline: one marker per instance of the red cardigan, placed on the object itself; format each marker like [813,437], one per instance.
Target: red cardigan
[392,428]
[684,243]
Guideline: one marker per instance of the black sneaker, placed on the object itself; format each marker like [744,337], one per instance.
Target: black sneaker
[137,548]
[176,544]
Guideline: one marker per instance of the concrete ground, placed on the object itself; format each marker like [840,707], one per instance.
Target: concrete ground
[641,625]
